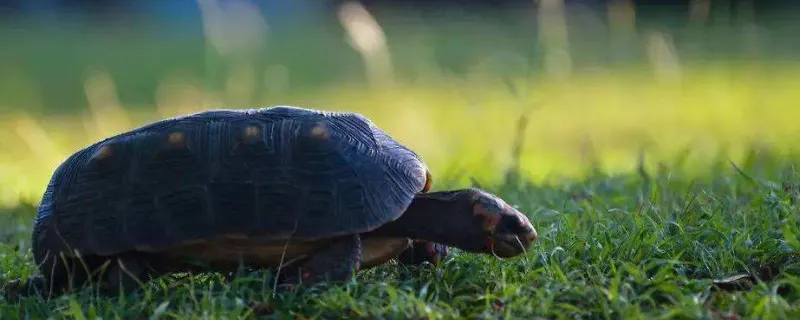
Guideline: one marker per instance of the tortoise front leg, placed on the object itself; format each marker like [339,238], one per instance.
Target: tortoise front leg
[61,275]
[338,262]
[422,251]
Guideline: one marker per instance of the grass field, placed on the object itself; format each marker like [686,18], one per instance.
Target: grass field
[611,246]
[650,184]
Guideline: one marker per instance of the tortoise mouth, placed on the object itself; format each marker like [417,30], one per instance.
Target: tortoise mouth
[510,245]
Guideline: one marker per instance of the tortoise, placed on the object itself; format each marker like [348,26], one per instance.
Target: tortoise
[319,194]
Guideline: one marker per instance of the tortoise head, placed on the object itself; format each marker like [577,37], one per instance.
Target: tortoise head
[469,219]
[499,228]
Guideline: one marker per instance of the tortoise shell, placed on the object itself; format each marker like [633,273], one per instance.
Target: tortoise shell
[242,180]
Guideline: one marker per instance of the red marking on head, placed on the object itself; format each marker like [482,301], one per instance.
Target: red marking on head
[306,275]
[491,218]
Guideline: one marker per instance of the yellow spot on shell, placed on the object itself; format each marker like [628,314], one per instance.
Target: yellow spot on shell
[320,132]
[251,132]
[176,138]
[102,153]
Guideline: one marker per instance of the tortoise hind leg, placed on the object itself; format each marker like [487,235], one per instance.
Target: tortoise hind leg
[126,273]
[61,274]
[338,262]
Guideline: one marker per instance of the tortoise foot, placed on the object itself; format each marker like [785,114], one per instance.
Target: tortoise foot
[423,251]
[337,263]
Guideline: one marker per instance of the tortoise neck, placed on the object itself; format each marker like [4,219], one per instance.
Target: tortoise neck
[444,217]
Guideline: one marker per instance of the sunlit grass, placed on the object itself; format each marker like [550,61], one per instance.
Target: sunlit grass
[468,125]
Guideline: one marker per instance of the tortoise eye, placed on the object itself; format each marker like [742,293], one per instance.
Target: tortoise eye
[513,224]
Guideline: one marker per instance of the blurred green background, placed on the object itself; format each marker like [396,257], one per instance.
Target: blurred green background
[577,83]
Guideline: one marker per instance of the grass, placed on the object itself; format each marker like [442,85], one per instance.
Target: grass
[621,235]
[646,245]
[465,126]
[458,84]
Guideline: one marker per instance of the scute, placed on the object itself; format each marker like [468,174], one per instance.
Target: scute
[270,173]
